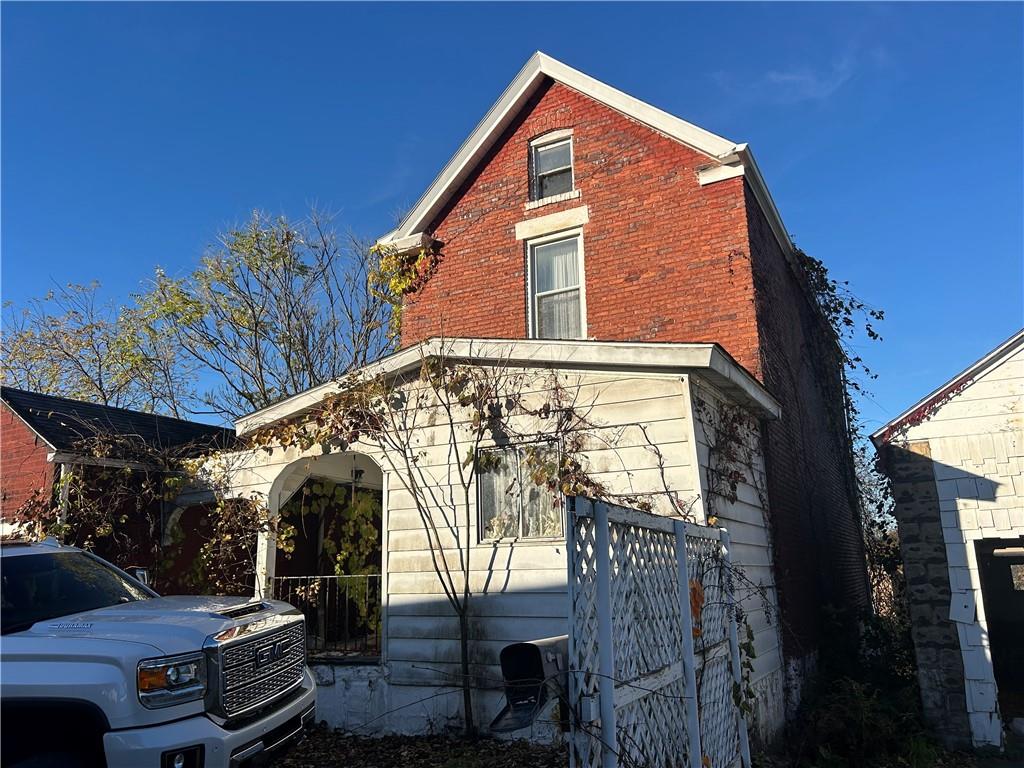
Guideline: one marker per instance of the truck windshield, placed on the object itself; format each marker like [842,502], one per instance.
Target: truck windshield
[43,586]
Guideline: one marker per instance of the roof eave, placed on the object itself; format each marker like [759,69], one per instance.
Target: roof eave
[882,435]
[701,358]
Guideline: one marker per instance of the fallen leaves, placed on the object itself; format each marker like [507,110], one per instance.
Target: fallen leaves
[324,748]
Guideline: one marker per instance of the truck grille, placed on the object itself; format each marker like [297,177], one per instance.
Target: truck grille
[256,671]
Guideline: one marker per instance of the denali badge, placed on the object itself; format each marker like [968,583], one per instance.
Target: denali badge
[270,653]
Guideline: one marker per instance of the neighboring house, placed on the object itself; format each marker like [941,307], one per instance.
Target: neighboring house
[956,461]
[43,436]
[641,259]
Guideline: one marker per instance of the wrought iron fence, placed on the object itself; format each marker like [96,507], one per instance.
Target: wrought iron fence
[342,612]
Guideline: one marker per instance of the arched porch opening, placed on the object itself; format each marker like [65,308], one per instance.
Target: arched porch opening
[328,512]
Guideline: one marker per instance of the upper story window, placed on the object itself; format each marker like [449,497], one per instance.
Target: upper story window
[551,166]
[556,279]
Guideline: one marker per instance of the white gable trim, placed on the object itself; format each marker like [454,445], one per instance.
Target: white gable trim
[979,368]
[709,360]
[505,109]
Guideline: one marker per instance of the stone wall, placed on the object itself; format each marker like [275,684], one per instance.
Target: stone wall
[940,668]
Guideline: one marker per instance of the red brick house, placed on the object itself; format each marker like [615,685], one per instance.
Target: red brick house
[574,210]
[43,436]
[581,233]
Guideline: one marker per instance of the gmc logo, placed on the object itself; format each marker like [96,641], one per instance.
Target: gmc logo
[271,653]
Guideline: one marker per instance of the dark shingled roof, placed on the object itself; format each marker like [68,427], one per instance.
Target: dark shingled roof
[63,423]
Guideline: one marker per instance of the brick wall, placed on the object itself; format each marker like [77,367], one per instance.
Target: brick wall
[665,258]
[669,260]
[23,464]
[819,550]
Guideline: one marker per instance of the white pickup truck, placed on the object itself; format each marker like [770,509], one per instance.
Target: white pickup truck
[96,669]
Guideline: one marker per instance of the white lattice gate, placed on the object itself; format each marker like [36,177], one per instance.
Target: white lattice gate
[654,658]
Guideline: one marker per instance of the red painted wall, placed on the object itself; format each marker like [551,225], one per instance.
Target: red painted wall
[23,464]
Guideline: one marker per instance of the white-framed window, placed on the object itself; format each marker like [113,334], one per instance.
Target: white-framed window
[557,304]
[513,499]
[551,167]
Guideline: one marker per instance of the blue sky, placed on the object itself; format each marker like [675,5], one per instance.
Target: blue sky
[890,135]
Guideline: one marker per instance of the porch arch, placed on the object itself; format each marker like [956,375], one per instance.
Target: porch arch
[342,467]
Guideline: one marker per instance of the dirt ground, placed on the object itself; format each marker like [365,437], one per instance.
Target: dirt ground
[323,748]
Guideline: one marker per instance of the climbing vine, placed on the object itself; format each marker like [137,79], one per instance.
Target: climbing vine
[400,274]
[351,519]
[110,498]
[731,436]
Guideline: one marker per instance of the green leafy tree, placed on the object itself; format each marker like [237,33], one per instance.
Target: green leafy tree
[273,309]
[72,344]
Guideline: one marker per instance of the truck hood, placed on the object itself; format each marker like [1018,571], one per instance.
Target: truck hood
[172,625]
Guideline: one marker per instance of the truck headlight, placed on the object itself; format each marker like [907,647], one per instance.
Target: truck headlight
[172,680]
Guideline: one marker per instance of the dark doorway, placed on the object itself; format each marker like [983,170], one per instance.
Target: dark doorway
[334,529]
[328,565]
[1001,564]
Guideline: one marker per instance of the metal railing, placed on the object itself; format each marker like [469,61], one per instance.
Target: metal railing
[342,613]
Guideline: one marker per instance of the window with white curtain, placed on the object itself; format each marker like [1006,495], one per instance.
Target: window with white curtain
[555,289]
[512,505]
[551,169]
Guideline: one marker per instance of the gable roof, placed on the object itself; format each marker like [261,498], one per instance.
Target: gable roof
[729,158]
[708,360]
[924,407]
[62,423]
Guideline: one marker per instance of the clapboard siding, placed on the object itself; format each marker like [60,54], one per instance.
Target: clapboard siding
[427,582]
[746,519]
[513,605]
[519,589]
[499,557]
[509,628]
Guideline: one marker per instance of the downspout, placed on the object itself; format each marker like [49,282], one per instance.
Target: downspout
[63,478]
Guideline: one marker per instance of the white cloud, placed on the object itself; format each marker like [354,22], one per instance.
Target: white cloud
[803,83]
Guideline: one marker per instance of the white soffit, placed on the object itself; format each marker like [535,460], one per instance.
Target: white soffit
[708,360]
[729,158]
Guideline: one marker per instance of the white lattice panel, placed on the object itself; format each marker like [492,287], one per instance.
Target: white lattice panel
[719,721]
[673,643]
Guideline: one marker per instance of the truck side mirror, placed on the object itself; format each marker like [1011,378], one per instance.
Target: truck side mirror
[533,672]
[138,573]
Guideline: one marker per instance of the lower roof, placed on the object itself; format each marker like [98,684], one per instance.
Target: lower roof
[709,360]
[64,423]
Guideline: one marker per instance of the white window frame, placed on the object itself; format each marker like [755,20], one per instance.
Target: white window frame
[531,295]
[544,142]
[481,539]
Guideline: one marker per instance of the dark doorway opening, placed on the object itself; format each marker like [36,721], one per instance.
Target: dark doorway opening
[328,564]
[1001,565]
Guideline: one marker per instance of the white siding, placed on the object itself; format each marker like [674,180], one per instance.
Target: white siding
[519,588]
[746,519]
[976,441]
